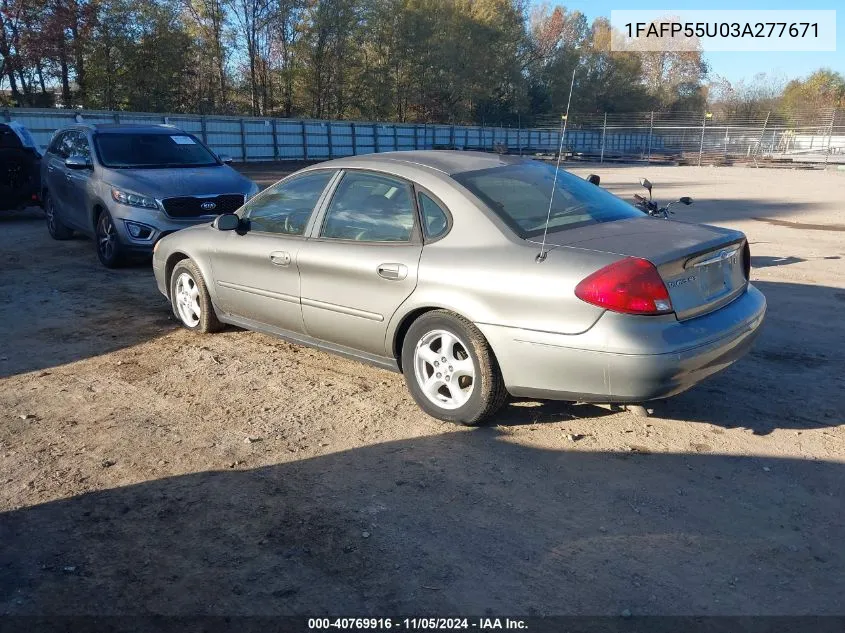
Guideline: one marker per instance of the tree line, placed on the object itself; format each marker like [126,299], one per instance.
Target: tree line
[494,62]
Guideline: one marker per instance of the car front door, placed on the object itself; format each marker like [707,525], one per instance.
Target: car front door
[76,182]
[362,262]
[255,270]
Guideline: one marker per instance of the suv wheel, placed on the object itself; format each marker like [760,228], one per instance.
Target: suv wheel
[450,369]
[58,231]
[109,248]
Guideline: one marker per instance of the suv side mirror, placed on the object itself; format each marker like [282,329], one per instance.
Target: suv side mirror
[225,159]
[77,162]
[686,200]
[594,179]
[227,222]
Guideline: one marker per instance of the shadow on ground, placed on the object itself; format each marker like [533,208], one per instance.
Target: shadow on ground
[58,304]
[465,522]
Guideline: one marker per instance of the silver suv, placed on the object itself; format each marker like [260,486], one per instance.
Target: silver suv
[127,186]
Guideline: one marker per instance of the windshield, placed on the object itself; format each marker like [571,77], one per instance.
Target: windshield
[520,194]
[140,149]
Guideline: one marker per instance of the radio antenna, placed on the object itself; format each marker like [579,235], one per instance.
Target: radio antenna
[541,256]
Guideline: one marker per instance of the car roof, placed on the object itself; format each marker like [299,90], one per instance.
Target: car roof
[449,162]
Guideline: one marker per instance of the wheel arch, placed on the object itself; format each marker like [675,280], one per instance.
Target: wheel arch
[172,259]
[408,319]
[96,210]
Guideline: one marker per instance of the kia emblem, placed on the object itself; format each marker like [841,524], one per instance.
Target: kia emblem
[208,206]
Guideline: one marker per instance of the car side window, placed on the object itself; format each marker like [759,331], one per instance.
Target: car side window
[81,146]
[434,219]
[61,145]
[370,208]
[286,207]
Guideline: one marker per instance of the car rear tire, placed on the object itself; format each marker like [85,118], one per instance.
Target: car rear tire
[190,299]
[57,230]
[451,370]
[109,248]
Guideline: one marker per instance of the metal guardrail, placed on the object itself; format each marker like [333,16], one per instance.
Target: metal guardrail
[266,139]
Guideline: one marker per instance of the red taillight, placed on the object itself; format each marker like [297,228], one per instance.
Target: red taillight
[631,285]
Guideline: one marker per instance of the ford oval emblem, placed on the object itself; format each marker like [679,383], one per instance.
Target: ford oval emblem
[208,206]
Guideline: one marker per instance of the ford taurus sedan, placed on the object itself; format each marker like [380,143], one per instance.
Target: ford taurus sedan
[433,264]
[128,185]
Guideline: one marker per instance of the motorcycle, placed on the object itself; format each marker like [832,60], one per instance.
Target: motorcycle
[650,207]
[647,206]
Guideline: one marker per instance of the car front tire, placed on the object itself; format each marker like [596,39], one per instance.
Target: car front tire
[451,370]
[57,230]
[109,248]
[190,299]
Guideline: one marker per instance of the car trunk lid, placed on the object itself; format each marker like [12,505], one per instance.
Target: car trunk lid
[702,266]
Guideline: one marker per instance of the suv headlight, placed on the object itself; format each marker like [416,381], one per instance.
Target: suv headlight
[133,199]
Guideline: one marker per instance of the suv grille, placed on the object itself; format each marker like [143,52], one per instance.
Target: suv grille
[190,207]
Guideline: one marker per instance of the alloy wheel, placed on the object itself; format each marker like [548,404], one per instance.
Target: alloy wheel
[106,237]
[443,369]
[186,297]
[51,215]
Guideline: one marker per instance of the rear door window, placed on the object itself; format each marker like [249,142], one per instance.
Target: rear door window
[370,208]
[434,219]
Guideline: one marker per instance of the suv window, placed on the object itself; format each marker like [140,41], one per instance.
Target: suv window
[286,207]
[62,145]
[80,145]
[370,208]
[434,218]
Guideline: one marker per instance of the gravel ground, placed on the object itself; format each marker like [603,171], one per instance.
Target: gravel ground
[146,470]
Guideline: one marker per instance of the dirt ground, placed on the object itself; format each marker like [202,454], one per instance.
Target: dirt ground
[147,470]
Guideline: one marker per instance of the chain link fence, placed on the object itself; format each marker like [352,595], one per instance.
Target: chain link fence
[812,137]
[698,138]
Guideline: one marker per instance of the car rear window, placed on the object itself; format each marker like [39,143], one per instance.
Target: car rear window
[519,194]
[144,150]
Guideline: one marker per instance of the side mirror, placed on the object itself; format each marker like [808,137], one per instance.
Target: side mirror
[227,222]
[686,200]
[645,183]
[594,179]
[225,159]
[77,162]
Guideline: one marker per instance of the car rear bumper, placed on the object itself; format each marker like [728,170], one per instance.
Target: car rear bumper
[626,358]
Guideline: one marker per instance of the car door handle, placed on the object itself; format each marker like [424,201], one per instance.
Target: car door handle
[394,272]
[280,258]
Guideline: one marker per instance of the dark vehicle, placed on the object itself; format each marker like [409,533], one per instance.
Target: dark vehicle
[20,168]
[127,186]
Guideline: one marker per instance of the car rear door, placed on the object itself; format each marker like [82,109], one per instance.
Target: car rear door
[55,170]
[361,262]
[255,270]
